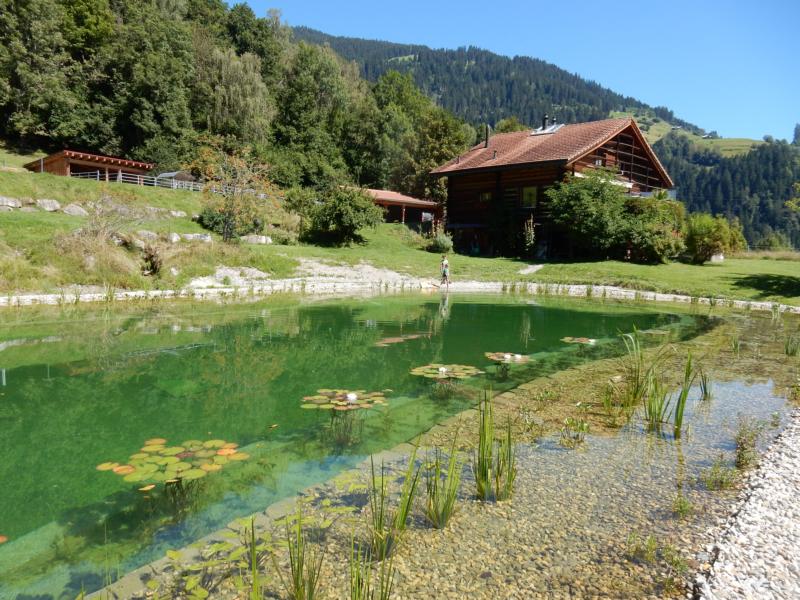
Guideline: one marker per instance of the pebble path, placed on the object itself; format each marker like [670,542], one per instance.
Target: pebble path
[758,556]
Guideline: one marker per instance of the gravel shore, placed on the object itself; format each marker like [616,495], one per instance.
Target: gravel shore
[759,553]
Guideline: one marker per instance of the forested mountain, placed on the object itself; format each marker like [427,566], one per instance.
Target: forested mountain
[482,87]
[752,187]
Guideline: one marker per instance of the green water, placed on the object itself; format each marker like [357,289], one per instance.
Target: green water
[78,390]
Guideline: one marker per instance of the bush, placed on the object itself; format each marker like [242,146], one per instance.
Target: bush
[441,243]
[339,214]
[214,218]
[653,229]
[707,236]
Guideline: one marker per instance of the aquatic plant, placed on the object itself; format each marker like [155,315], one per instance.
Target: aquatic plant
[344,429]
[774,421]
[657,403]
[494,465]
[361,587]
[503,360]
[533,427]
[736,345]
[683,395]
[305,562]
[386,525]
[158,463]
[681,506]
[706,392]
[791,345]
[641,550]
[747,433]
[719,476]
[639,375]
[439,371]
[442,492]
[573,432]
[344,400]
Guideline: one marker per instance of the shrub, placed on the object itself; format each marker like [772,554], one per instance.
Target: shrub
[653,229]
[214,218]
[339,214]
[440,243]
[707,235]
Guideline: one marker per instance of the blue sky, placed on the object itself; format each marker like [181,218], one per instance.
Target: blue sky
[730,66]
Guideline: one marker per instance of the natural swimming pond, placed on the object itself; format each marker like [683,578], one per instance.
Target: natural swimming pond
[236,401]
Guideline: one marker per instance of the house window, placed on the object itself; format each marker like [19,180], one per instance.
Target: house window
[530,196]
[485,197]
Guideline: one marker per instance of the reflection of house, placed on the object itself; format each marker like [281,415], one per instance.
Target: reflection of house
[405,209]
[72,163]
[497,185]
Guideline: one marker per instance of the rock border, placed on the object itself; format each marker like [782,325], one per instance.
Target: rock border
[322,286]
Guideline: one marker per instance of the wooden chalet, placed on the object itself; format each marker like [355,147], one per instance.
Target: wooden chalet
[405,209]
[71,163]
[508,173]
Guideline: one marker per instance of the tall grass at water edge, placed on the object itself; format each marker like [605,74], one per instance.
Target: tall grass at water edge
[441,486]
[494,463]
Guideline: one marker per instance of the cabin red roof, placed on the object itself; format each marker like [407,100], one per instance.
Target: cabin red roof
[96,158]
[390,197]
[564,145]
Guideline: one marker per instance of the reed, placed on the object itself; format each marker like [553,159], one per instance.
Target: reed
[305,563]
[791,345]
[360,573]
[494,465]
[680,403]
[706,391]
[442,492]
[385,525]
[736,346]
[656,404]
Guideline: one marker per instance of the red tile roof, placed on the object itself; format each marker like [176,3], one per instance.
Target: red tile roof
[566,144]
[89,157]
[390,197]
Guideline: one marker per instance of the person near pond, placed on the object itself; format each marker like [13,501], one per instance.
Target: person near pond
[445,271]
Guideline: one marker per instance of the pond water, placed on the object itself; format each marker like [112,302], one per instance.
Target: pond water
[78,390]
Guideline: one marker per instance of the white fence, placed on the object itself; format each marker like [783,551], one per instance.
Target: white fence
[149,180]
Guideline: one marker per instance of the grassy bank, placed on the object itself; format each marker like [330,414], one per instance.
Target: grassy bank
[39,252]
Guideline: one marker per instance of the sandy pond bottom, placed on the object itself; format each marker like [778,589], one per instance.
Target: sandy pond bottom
[568,531]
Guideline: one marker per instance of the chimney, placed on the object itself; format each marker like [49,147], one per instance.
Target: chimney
[544,122]
[486,136]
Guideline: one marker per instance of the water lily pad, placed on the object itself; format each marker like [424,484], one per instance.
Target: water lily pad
[507,357]
[140,455]
[214,444]
[193,474]
[226,451]
[325,406]
[211,467]
[106,466]
[167,460]
[160,476]
[153,448]
[192,444]
[172,451]
[231,445]
[179,466]
[123,469]
[155,441]
[309,406]
[135,477]
[205,453]
[221,460]
[579,340]
[441,371]
[239,456]
[147,487]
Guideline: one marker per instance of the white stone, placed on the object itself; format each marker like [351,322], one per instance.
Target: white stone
[177,214]
[5,208]
[197,237]
[29,209]
[256,239]
[173,237]
[48,204]
[75,210]
[717,258]
[10,202]
[147,235]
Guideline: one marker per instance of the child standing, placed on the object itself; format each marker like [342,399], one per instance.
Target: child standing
[445,271]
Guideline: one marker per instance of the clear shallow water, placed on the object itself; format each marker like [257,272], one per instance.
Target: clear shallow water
[81,391]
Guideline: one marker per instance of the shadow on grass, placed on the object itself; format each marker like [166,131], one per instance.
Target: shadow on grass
[768,285]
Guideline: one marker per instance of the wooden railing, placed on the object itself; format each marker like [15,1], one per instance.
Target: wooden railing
[148,180]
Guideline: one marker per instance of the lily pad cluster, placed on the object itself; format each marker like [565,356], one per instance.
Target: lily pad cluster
[157,462]
[341,400]
[579,340]
[439,371]
[507,357]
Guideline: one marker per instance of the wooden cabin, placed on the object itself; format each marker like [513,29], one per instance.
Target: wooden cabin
[499,184]
[405,209]
[71,163]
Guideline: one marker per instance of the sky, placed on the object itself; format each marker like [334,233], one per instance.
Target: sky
[730,66]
